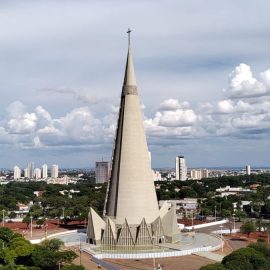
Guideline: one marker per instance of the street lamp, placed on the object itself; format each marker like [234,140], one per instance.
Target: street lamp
[3,221]
[31,226]
[221,226]
[234,223]
[192,217]
[46,228]
[80,249]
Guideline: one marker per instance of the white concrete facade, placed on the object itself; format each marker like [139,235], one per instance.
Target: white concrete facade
[17,173]
[44,171]
[180,168]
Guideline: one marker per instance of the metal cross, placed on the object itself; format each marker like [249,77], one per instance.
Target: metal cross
[128,32]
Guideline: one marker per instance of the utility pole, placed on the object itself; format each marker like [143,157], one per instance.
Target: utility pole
[3,220]
[31,226]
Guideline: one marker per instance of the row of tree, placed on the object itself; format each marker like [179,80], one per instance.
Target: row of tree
[53,203]
[254,257]
[18,253]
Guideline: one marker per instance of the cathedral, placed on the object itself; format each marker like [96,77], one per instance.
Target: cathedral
[131,217]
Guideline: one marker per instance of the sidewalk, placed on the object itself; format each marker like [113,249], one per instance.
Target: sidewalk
[210,255]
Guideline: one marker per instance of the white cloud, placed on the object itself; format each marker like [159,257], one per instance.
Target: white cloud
[266,78]
[242,84]
[22,124]
[16,109]
[173,105]
[229,117]
[225,106]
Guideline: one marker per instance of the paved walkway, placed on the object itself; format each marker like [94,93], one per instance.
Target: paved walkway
[106,265]
[195,241]
[210,255]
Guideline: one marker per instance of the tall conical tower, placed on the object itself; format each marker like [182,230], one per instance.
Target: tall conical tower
[131,217]
[131,193]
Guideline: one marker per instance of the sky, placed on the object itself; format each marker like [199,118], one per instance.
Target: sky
[202,68]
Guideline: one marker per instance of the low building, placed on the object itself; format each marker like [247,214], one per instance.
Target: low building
[227,191]
[186,205]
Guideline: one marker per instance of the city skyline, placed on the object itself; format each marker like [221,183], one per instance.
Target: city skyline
[203,70]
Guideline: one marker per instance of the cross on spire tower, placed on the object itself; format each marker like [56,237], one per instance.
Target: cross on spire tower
[128,32]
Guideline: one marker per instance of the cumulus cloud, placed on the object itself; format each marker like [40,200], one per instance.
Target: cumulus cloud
[16,109]
[173,105]
[242,84]
[174,118]
[22,124]
[38,129]
[243,112]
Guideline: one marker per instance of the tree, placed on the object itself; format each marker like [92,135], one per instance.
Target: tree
[240,214]
[245,259]
[73,267]
[21,246]
[6,234]
[248,227]
[216,266]
[52,244]
[44,258]
[40,222]
[12,215]
[225,213]
[65,256]
[27,220]
[261,247]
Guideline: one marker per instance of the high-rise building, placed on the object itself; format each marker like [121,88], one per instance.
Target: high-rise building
[44,171]
[17,173]
[180,168]
[205,173]
[37,173]
[30,170]
[132,219]
[197,174]
[25,173]
[54,171]
[248,170]
[102,172]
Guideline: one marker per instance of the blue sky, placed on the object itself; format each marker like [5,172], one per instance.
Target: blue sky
[202,69]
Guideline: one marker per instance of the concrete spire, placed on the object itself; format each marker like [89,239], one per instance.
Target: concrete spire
[129,79]
[131,193]
[131,215]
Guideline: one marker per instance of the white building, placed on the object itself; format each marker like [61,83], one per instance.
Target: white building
[227,191]
[157,176]
[186,205]
[37,173]
[25,173]
[54,171]
[197,174]
[17,173]
[30,170]
[102,172]
[248,170]
[205,173]
[44,171]
[180,168]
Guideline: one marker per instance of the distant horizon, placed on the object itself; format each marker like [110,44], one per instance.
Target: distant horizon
[161,168]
